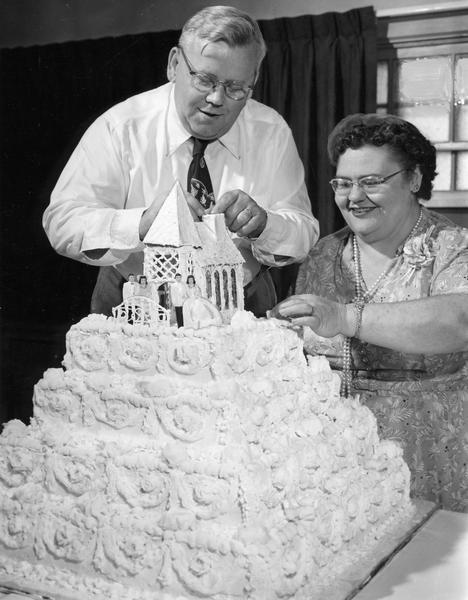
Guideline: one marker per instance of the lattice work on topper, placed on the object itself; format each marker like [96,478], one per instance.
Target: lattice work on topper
[162,267]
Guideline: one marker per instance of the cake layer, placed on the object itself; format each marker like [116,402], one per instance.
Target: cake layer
[248,346]
[168,464]
[188,410]
[286,480]
[295,569]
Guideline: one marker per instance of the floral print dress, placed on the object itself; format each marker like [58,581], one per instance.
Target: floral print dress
[419,400]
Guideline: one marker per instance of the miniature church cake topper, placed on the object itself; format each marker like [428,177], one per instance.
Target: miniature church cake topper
[175,243]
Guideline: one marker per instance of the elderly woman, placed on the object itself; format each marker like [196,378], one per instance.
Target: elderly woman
[386,300]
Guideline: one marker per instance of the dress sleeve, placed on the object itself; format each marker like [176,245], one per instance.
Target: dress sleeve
[450,274]
[318,273]
[305,278]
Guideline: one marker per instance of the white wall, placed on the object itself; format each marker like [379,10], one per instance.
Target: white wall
[30,22]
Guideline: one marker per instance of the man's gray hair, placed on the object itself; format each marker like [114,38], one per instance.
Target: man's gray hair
[225,24]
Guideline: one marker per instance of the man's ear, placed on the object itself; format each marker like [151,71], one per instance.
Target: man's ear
[172,63]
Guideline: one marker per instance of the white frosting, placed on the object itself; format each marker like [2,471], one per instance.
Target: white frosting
[181,464]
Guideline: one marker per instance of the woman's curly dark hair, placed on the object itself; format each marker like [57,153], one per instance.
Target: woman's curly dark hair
[404,139]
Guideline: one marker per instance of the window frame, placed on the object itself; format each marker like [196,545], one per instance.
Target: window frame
[424,32]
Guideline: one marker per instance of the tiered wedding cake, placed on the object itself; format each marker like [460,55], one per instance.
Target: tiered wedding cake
[168,463]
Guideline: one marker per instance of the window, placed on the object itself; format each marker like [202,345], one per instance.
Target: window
[217,286]
[423,77]
[234,288]
[225,289]
[209,291]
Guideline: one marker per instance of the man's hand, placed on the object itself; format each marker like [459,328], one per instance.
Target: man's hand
[153,209]
[243,215]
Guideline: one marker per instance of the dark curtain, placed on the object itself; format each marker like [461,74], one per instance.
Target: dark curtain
[49,95]
[317,69]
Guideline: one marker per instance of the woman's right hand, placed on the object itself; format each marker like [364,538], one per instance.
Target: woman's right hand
[325,317]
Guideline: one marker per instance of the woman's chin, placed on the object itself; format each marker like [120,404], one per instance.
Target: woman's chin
[362,222]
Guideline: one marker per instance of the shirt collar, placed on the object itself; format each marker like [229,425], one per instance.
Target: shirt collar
[231,139]
[178,135]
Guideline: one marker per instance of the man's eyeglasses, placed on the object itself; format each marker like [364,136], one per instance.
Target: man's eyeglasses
[204,82]
[371,184]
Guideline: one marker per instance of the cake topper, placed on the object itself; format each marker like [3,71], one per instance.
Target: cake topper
[176,244]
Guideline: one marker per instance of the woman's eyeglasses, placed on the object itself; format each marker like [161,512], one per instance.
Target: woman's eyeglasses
[204,82]
[371,184]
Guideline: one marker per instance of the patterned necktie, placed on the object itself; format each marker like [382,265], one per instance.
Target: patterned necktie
[198,176]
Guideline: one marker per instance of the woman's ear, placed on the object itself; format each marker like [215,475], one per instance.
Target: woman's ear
[172,63]
[416,179]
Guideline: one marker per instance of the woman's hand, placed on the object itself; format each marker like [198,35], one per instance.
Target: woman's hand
[325,317]
[434,325]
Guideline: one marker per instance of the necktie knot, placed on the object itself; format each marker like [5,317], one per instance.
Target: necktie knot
[199,146]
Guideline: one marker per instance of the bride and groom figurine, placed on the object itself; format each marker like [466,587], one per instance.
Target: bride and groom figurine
[134,287]
[191,309]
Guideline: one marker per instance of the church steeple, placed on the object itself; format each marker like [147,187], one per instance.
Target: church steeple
[174,225]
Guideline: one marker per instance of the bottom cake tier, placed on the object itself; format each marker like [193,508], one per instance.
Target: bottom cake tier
[134,487]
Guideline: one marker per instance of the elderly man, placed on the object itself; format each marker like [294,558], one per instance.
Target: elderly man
[232,154]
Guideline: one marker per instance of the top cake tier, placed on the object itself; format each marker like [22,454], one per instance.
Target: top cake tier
[246,346]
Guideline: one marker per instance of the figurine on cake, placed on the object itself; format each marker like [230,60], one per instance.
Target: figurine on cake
[193,290]
[178,294]
[130,287]
[198,311]
[144,289]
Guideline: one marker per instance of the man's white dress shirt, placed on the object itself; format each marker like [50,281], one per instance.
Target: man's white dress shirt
[136,151]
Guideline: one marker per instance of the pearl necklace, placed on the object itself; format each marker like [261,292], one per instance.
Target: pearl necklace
[362,297]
